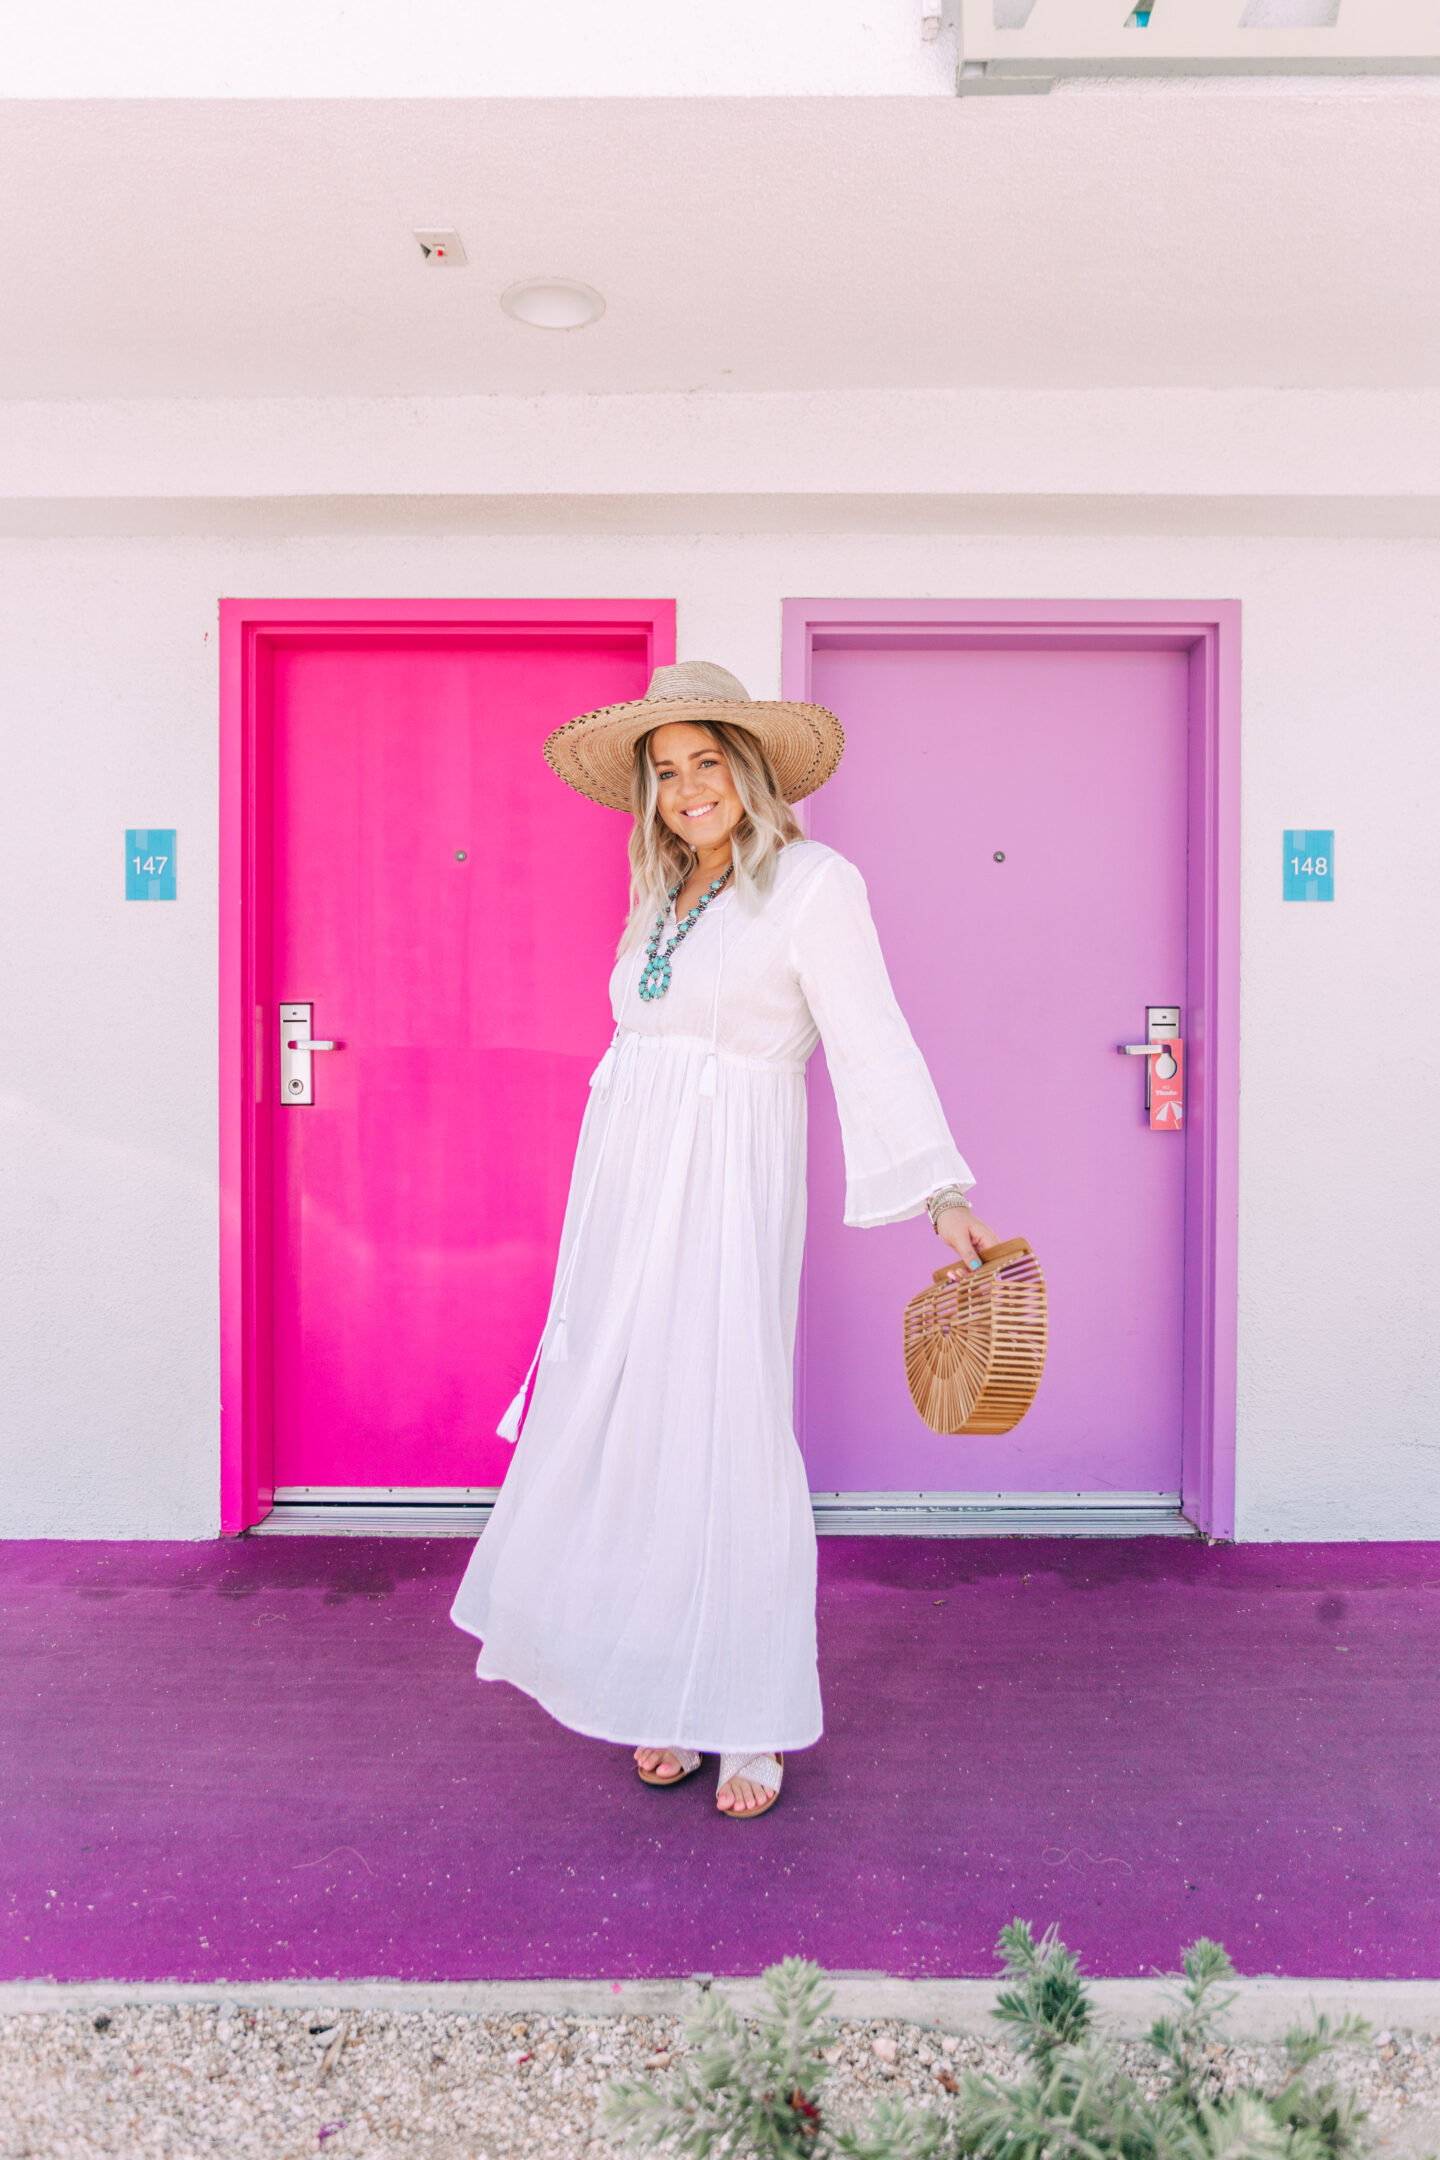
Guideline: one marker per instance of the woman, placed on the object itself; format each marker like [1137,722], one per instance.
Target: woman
[649,1571]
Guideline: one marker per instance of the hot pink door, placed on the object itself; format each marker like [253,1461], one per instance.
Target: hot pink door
[450,911]
[1020,817]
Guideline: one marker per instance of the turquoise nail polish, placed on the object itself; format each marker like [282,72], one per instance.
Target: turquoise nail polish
[974,1263]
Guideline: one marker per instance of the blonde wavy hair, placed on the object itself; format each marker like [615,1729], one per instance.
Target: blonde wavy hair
[660,859]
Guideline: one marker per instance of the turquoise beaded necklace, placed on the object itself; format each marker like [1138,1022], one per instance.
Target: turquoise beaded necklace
[655,975]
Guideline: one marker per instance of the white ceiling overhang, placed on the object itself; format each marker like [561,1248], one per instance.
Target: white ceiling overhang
[1103,237]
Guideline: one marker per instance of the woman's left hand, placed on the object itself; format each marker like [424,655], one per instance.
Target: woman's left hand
[968,1238]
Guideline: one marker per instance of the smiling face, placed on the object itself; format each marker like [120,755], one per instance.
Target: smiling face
[696,794]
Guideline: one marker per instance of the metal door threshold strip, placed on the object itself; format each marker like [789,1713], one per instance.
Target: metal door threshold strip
[1001,1514]
[379,1511]
[464,1510]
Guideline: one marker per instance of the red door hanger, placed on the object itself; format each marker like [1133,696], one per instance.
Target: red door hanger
[1167,1087]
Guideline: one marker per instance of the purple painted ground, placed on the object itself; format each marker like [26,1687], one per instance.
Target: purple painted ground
[268,1758]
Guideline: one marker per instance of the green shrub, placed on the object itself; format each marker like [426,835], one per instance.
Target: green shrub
[755,2090]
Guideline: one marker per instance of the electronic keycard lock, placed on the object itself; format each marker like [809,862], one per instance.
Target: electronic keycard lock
[297,1076]
[1164,1055]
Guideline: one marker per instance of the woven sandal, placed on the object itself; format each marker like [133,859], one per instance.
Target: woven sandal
[766,1770]
[689,1763]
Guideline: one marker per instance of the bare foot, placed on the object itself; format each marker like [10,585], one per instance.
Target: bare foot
[658,1762]
[742,1796]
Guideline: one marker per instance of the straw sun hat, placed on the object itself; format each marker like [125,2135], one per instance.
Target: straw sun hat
[595,754]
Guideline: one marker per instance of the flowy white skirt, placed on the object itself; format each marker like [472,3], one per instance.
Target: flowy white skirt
[648,1574]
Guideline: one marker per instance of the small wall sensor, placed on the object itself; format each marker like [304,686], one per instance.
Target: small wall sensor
[443,248]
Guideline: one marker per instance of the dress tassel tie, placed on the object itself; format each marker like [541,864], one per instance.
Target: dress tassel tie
[509,1425]
[604,1072]
[554,1343]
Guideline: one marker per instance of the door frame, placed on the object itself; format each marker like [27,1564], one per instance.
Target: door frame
[250,633]
[1209,632]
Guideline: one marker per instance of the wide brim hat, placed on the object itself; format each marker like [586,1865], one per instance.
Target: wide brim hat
[595,754]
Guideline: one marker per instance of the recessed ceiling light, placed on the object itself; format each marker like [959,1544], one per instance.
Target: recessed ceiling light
[553,303]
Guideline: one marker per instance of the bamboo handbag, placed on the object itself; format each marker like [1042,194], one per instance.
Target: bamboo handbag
[975,1349]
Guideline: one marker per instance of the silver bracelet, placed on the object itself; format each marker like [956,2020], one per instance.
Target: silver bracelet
[948,1196]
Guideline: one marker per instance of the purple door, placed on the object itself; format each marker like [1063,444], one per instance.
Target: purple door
[1020,817]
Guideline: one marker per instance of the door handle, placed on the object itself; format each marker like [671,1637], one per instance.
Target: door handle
[297,1044]
[1163,1054]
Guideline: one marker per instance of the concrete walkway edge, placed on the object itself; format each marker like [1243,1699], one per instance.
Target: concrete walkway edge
[1264,2008]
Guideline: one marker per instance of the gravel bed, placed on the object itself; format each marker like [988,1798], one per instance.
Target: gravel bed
[193,2081]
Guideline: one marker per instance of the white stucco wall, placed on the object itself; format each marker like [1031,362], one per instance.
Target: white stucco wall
[1292,445]
[108,1335]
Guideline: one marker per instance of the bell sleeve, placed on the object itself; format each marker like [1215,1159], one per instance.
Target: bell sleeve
[898,1147]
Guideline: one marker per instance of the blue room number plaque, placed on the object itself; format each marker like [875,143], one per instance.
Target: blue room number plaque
[1309,865]
[150,863]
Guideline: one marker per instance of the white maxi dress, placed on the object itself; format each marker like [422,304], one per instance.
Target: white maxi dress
[648,1574]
